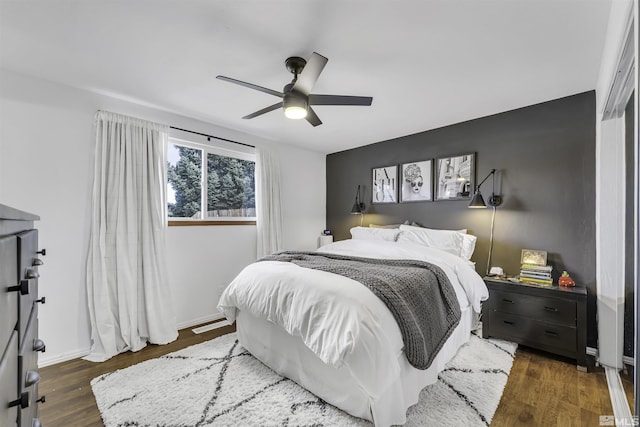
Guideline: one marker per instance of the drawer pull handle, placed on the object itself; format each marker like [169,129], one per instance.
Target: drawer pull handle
[38,345]
[23,287]
[507,322]
[42,252]
[42,300]
[550,333]
[36,262]
[23,401]
[31,378]
[550,309]
[32,274]
[507,300]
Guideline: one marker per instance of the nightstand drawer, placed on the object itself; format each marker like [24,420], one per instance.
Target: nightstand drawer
[552,310]
[533,332]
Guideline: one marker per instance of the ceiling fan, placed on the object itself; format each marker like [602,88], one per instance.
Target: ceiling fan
[297,98]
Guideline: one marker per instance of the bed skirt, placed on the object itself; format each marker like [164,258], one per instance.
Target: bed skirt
[341,387]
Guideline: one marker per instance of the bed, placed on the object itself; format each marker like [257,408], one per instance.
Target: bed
[333,336]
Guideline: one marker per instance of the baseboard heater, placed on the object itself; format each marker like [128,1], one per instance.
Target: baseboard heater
[211,326]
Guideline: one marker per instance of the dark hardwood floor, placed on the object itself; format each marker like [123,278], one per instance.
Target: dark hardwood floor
[69,399]
[541,391]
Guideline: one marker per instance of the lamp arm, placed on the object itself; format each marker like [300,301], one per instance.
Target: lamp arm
[493,171]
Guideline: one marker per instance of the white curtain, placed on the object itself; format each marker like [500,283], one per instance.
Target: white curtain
[268,205]
[127,286]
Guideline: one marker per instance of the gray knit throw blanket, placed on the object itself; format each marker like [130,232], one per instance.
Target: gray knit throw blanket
[418,294]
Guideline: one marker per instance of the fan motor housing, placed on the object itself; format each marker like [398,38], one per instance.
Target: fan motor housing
[293,97]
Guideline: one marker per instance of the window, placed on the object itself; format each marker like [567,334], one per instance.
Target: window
[220,179]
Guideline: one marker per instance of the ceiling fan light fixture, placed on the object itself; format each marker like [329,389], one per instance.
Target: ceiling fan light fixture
[295,112]
[295,106]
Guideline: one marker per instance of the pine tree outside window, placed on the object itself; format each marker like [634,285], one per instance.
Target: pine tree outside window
[225,185]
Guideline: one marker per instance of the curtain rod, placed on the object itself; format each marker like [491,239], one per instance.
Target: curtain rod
[211,136]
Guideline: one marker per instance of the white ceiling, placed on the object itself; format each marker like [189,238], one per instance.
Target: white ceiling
[426,64]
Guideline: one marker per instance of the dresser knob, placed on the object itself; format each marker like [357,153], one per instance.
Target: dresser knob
[42,252]
[41,300]
[23,287]
[23,401]
[32,274]
[37,262]
[38,345]
[31,378]
[41,400]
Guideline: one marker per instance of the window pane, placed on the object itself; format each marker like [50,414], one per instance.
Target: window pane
[230,187]
[184,172]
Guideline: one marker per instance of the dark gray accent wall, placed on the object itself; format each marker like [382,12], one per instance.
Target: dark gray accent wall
[545,158]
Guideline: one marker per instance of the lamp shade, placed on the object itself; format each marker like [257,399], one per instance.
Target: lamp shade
[358,206]
[477,202]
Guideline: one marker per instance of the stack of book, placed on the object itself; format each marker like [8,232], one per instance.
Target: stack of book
[537,274]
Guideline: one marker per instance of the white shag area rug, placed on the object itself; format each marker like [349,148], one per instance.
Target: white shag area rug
[218,383]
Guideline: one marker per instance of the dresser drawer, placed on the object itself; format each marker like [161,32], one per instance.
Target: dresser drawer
[9,381]
[534,333]
[28,355]
[552,310]
[8,279]
[29,377]
[28,276]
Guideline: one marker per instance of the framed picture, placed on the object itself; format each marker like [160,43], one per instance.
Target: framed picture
[384,188]
[415,181]
[455,177]
[529,256]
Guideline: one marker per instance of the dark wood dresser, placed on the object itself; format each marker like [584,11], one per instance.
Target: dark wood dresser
[549,318]
[19,343]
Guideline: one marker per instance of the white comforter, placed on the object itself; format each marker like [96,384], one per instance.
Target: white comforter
[339,319]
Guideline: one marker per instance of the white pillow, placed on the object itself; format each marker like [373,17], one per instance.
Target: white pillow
[446,240]
[468,245]
[366,233]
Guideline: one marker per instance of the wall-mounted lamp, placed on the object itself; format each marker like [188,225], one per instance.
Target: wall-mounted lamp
[358,206]
[494,200]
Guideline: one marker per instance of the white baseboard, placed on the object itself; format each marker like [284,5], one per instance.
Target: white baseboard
[45,360]
[63,357]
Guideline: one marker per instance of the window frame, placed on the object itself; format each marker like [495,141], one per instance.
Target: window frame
[247,154]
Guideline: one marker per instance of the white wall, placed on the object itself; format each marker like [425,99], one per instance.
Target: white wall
[46,167]
[610,178]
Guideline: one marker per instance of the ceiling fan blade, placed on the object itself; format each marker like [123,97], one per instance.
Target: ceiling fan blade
[264,110]
[313,118]
[310,73]
[339,100]
[252,86]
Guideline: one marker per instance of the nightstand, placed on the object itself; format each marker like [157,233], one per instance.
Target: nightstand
[549,318]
